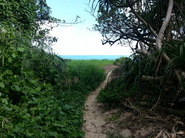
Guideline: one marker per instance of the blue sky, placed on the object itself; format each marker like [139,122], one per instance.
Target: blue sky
[77,39]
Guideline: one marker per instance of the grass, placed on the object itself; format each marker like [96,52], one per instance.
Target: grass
[95,62]
[90,75]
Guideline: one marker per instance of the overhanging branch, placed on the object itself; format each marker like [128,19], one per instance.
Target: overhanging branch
[141,19]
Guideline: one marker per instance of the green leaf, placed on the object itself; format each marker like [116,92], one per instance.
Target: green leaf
[17,88]
[14,55]
[4,101]
[10,60]
[33,81]
[28,133]
[53,134]
[59,125]
[20,49]
[9,72]
[38,89]
[8,109]
[2,84]
[7,82]
[26,116]
[1,77]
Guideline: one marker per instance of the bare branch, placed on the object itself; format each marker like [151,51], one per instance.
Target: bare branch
[142,52]
[150,78]
[142,20]
[164,25]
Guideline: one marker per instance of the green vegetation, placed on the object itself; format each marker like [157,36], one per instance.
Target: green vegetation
[119,61]
[41,94]
[51,104]
[86,71]
[97,63]
[155,73]
[132,84]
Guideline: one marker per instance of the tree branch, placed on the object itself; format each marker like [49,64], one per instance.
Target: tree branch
[142,20]
[150,78]
[164,25]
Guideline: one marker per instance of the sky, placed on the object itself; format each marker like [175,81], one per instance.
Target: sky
[77,39]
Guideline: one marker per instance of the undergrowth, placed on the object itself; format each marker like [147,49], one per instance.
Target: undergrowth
[41,94]
[131,84]
[40,108]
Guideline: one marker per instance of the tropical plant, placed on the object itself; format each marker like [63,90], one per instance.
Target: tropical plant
[26,101]
[119,61]
[157,30]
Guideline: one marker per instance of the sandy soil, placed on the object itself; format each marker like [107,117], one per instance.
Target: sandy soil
[94,121]
[126,122]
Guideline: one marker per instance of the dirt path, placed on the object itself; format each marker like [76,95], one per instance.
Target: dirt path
[126,122]
[93,120]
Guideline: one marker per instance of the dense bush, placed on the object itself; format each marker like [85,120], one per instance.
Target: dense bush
[34,98]
[119,61]
[31,107]
[132,83]
[115,92]
[157,67]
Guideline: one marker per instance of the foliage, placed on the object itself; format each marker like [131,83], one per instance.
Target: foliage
[34,98]
[33,107]
[50,68]
[156,68]
[96,62]
[115,92]
[120,21]
[130,84]
[86,72]
[119,61]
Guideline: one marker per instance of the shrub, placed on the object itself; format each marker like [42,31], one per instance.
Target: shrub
[119,61]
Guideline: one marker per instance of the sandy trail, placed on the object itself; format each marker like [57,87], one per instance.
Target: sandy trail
[93,120]
[97,123]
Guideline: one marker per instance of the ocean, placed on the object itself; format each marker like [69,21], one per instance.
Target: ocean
[89,57]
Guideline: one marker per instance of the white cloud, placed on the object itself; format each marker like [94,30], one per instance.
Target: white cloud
[77,40]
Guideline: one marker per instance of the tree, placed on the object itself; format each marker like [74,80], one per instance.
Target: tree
[156,26]
[139,20]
